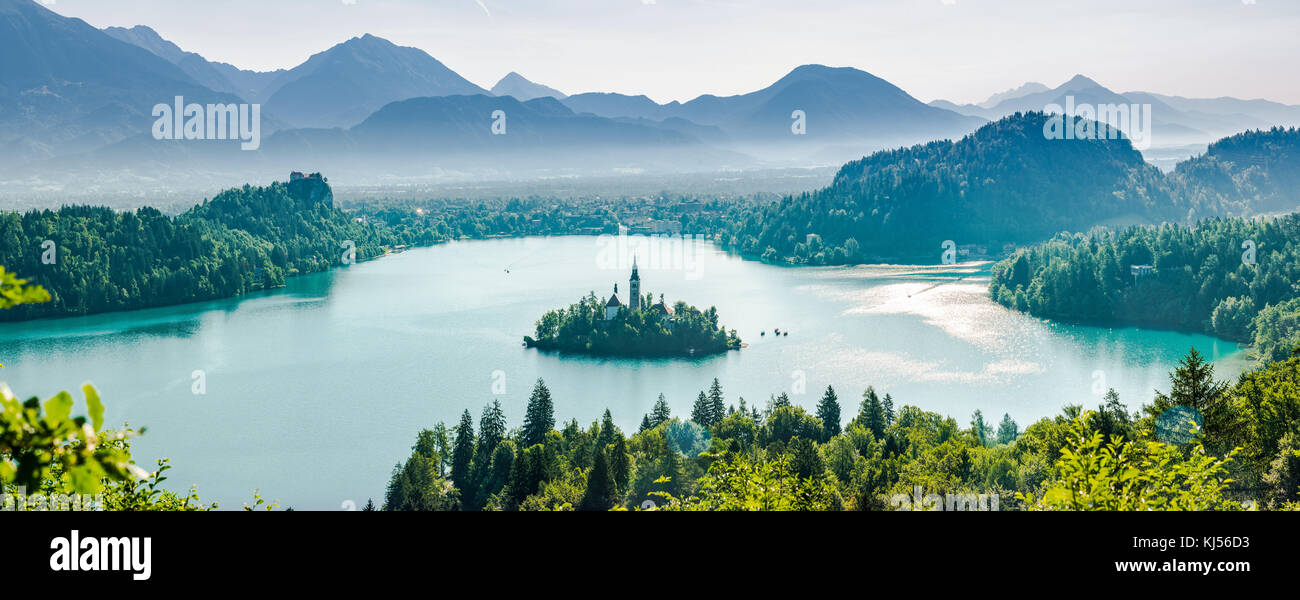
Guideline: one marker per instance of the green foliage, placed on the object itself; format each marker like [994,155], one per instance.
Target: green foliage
[871,413]
[987,188]
[39,442]
[44,449]
[1201,280]
[1118,475]
[828,410]
[735,483]
[147,494]
[418,485]
[539,418]
[786,423]
[780,459]
[15,291]
[242,240]
[1007,430]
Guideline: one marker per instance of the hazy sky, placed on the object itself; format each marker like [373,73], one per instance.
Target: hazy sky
[962,50]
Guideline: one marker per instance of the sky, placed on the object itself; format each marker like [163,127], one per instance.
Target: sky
[959,50]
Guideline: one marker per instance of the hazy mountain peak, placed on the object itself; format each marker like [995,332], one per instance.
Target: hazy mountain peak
[341,86]
[1032,87]
[516,85]
[145,37]
[1078,82]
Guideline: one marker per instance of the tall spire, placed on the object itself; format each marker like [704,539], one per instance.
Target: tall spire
[634,288]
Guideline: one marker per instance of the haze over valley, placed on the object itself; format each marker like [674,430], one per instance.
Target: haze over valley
[375,114]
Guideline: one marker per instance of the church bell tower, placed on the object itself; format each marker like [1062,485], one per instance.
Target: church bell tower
[634,285]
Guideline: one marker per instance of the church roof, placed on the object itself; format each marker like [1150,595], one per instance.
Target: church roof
[663,308]
[613,301]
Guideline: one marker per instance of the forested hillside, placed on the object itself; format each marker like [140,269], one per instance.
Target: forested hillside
[1246,174]
[1005,182]
[1235,278]
[1008,182]
[93,259]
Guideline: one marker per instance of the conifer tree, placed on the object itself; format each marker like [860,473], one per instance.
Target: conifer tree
[717,404]
[608,431]
[462,453]
[1008,431]
[871,414]
[661,413]
[492,431]
[540,415]
[620,464]
[700,412]
[828,410]
[600,494]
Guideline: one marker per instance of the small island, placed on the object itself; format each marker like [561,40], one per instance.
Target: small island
[642,327]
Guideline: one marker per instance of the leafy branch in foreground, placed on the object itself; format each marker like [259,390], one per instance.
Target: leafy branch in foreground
[45,450]
[42,442]
[15,291]
[1123,475]
[734,483]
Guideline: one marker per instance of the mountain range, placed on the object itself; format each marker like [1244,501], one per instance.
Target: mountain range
[67,87]
[514,84]
[76,97]
[1175,120]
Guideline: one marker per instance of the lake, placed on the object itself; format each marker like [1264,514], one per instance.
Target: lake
[312,393]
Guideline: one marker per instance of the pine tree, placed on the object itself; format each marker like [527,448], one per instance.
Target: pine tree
[539,419]
[828,410]
[492,431]
[645,424]
[661,413]
[806,460]
[608,431]
[620,464]
[717,404]
[462,453]
[888,403]
[600,494]
[1113,419]
[701,413]
[442,442]
[498,474]
[1008,431]
[983,431]
[871,414]
[520,486]
[1192,384]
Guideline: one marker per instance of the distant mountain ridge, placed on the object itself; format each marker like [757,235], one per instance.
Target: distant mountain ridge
[213,75]
[516,85]
[1176,120]
[343,85]
[67,87]
[837,102]
[80,96]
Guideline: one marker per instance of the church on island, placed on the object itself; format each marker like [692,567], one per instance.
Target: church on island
[613,304]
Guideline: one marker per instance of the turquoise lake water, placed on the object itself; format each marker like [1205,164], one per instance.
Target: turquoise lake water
[313,392]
